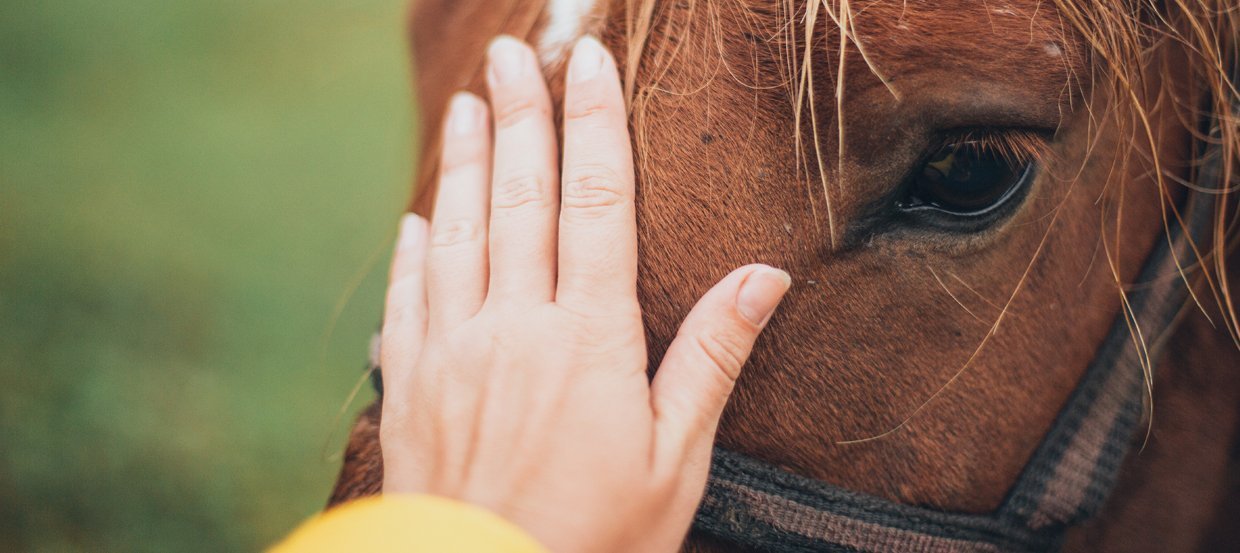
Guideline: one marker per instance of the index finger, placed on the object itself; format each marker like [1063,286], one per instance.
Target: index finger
[598,227]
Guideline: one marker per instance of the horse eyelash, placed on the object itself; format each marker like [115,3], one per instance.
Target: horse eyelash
[1018,145]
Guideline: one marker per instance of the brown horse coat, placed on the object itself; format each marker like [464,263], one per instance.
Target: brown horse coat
[750,150]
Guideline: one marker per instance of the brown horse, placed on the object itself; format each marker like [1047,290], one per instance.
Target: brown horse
[965,193]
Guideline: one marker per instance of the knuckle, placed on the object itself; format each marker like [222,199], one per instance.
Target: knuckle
[454,164]
[401,316]
[518,109]
[405,288]
[459,155]
[724,351]
[593,189]
[603,308]
[627,310]
[586,108]
[454,232]
[520,190]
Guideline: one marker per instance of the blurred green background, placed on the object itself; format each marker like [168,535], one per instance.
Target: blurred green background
[187,191]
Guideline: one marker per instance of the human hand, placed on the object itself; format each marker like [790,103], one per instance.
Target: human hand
[514,360]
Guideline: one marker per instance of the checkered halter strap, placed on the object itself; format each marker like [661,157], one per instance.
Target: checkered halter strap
[764,508]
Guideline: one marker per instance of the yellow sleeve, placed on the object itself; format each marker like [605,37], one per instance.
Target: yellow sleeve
[409,524]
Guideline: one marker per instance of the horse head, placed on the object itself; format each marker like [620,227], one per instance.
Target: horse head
[964,193]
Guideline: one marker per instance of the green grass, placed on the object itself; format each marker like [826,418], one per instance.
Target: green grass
[186,191]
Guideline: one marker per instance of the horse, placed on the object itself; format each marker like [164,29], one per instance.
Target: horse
[969,196]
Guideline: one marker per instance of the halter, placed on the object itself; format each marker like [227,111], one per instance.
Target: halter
[755,504]
[759,506]
[1067,480]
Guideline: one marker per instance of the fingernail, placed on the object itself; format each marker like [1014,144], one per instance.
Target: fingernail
[412,232]
[463,116]
[508,59]
[761,293]
[587,61]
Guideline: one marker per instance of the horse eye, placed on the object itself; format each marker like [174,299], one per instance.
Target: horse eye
[965,179]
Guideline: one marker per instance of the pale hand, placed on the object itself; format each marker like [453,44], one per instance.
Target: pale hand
[513,354]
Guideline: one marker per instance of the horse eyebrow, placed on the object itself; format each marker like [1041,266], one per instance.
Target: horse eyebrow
[566,22]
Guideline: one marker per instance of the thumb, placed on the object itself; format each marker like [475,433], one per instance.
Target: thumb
[700,368]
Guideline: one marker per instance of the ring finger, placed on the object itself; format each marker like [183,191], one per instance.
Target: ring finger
[456,260]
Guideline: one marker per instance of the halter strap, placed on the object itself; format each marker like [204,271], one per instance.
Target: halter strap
[755,504]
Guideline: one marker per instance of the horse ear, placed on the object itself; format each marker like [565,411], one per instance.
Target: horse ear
[449,40]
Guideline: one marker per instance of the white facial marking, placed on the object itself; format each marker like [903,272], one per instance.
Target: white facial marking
[566,21]
[1053,49]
